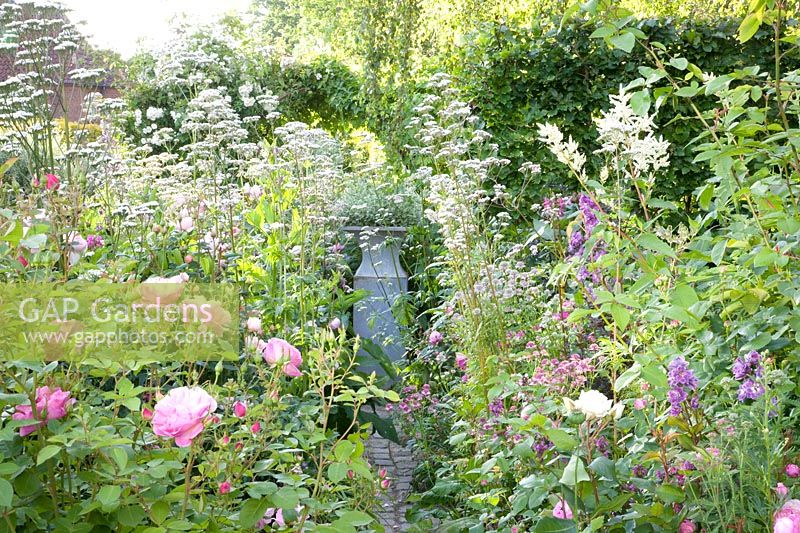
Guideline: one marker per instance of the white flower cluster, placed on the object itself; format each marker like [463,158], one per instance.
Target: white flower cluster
[623,132]
[461,159]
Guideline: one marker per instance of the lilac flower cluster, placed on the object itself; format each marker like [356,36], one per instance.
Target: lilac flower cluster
[553,207]
[561,376]
[588,209]
[745,369]
[681,381]
[414,400]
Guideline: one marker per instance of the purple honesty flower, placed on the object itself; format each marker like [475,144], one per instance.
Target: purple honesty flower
[745,369]
[681,380]
[750,390]
[588,209]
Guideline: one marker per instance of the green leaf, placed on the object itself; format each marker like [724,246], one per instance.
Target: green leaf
[108,496]
[624,41]
[337,472]
[670,493]
[621,316]
[679,63]
[653,243]
[548,524]
[574,472]
[655,376]
[627,377]
[344,450]
[749,26]
[6,493]
[46,453]
[562,440]
[252,511]
[356,518]
[286,498]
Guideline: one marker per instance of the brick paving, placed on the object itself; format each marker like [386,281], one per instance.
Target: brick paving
[399,464]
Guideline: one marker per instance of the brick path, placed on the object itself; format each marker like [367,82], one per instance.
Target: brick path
[399,464]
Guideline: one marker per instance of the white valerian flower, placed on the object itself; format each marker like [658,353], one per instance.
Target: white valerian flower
[154,113]
[594,405]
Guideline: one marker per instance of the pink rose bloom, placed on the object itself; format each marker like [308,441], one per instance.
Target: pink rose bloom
[562,510]
[280,352]
[687,526]
[52,182]
[181,414]
[50,405]
[240,409]
[787,519]
[224,487]
[792,470]
[435,338]
[639,404]
[461,361]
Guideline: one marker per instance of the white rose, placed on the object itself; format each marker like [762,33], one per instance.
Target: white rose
[594,404]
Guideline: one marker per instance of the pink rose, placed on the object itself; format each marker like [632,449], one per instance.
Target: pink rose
[181,414]
[461,361]
[240,409]
[50,405]
[224,487]
[781,490]
[687,526]
[435,338]
[787,519]
[280,352]
[256,427]
[639,404]
[792,470]
[147,414]
[562,510]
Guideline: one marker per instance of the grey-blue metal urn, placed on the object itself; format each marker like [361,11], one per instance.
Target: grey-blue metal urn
[382,275]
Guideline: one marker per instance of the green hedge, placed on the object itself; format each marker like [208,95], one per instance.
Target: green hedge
[518,77]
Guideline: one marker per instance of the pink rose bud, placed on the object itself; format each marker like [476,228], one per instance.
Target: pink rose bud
[52,182]
[224,487]
[350,474]
[23,261]
[687,526]
[781,490]
[226,439]
[792,470]
[639,404]
[188,259]
[382,473]
[147,414]
[335,324]
[385,484]
[255,428]
[254,324]
[238,446]
[240,409]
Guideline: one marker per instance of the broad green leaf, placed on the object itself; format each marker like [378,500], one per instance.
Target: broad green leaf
[562,440]
[252,511]
[653,243]
[6,493]
[548,524]
[47,452]
[574,472]
[749,26]
[624,41]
